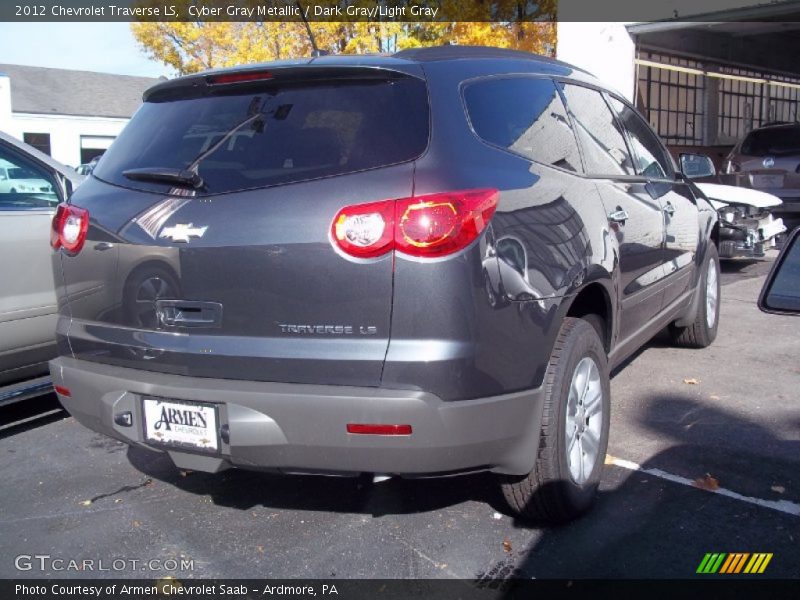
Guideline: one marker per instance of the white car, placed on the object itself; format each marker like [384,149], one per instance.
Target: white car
[15,179]
[747,226]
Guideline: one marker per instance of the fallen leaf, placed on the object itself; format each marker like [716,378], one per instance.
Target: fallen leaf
[136,523]
[85,502]
[707,482]
[260,549]
[506,545]
[778,488]
[691,381]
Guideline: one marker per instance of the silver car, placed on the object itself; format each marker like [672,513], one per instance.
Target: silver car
[31,186]
[768,159]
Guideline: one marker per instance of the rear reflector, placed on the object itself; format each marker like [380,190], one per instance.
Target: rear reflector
[423,226]
[367,429]
[69,228]
[239,77]
[62,391]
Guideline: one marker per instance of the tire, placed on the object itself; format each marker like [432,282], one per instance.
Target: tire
[551,492]
[703,331]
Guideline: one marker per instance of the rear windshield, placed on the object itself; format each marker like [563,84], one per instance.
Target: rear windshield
[772,142]
[273,135]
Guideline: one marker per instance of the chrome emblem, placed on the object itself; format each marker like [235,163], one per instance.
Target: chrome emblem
[182,232]
[769,162]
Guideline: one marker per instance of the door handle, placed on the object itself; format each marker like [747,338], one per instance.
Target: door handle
[669,209]
[618,216]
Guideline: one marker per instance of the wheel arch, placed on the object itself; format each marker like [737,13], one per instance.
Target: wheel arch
[594,297]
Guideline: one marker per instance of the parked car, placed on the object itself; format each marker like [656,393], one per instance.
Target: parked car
[768,159]
[421,264]
[31,186]
[14,179]
[747,226]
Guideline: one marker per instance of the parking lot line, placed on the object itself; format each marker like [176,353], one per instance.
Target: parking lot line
[784,506]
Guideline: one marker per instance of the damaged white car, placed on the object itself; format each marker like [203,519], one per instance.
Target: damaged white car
[747,227]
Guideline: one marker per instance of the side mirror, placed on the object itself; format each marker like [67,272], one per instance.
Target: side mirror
[697,166]
[781,292]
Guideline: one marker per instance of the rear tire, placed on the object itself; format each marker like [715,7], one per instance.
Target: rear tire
[703,331]
[574,438]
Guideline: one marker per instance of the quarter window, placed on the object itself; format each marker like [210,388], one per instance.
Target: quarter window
[524,115]
[604,149]
[651,159]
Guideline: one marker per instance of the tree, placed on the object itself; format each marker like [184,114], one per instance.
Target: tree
[189,47]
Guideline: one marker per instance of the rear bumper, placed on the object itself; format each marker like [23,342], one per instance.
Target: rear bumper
[302,428]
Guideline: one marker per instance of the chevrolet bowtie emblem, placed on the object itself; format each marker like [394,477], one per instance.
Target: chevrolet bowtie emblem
[182,232]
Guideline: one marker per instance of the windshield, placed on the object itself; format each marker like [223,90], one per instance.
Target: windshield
[773,142]
[273,135]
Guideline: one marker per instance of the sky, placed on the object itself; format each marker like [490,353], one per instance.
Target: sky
[104,47]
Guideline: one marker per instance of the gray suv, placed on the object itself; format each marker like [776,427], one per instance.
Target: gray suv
[421,264]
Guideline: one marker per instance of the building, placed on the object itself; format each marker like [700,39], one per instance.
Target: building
[71,115]
[702,80]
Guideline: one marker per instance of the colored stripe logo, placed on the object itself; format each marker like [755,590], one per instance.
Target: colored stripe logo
[734,563]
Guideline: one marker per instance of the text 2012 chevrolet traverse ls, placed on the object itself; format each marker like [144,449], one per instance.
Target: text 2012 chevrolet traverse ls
[422,264]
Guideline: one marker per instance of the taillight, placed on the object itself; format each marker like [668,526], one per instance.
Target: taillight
[69,228]
[423,226]
[365,230]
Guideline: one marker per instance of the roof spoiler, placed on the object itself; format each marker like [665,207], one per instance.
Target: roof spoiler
[211,82]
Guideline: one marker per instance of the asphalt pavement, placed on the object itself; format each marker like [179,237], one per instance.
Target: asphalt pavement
[704,456]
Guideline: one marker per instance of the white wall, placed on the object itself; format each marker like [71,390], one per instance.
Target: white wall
[5,103]
[605,50]
[65,131]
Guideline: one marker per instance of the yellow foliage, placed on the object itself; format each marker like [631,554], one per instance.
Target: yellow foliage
[195,46]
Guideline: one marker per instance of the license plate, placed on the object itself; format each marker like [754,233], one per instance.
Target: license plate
[186,424]
[768,181]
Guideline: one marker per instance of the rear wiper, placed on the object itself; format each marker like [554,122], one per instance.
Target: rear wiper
[182,177]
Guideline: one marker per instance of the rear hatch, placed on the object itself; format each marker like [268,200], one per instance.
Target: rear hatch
[208,251]
[770,159]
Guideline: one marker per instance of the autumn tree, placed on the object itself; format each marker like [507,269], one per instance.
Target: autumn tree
[189,47]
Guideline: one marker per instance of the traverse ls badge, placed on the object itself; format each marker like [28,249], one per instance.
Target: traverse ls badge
[182,232]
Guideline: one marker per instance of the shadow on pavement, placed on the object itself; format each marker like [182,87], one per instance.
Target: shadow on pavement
[644,526]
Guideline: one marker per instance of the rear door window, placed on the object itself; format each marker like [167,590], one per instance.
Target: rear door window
[273,135]
[600,135]
[524,115]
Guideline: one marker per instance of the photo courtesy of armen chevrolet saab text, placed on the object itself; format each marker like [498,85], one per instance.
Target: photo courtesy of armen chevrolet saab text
[423,264]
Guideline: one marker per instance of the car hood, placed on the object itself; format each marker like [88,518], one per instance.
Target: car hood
[721,195]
